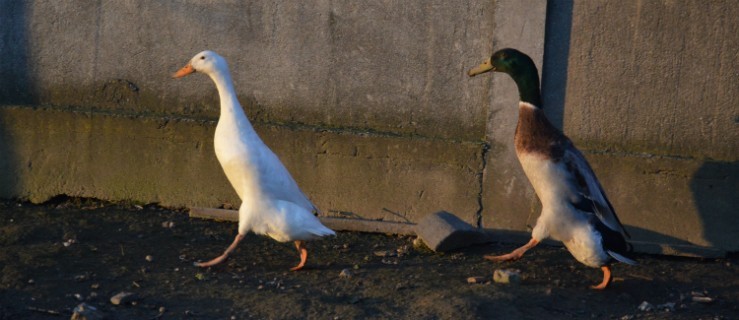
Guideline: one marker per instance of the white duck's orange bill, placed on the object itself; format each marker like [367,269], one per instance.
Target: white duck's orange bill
[188,69]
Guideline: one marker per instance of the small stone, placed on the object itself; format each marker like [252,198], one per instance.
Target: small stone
[667,307]
[385,253]
[645,306]
[402,250]
[95,286]
[418,244]
[507,276]
[78,297]
[149,258]
[472,280]
[627,317]
[168,224]
[84,311]
[31,281]
[345,273]
[702,299]
[123,298]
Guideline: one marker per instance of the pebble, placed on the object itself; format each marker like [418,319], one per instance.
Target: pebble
[667,307]
[403,250]
[149,258]
[701,297]
[418,244]
[168,224]
[122,298]
[507,276]
[345,273]
[31,281]
[645,306]
[472,280]
[84,311]
[385,253]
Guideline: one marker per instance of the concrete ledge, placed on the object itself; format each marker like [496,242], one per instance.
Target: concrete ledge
[674,202]
[171,162]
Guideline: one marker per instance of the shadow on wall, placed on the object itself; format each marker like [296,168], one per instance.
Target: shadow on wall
[715,188]
[15,82]
[15,86]
[556,53]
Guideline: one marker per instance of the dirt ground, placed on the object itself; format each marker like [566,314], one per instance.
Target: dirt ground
[57,255]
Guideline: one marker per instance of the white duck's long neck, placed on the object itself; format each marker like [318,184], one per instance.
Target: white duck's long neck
[230,107]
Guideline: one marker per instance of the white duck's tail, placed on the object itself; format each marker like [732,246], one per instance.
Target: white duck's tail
[301,224]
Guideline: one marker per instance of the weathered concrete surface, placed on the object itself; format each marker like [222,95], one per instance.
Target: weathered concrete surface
[508,196]
[651,96]
[443,231]
[655,77]
[381,66]
[369,106]
[648,91]
[171,161]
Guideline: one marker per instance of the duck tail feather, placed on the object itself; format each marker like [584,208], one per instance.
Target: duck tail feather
[621,258]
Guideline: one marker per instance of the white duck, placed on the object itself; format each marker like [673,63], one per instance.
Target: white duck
[272,202]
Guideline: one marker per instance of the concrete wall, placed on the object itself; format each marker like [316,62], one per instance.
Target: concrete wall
[368,104]
[652,95]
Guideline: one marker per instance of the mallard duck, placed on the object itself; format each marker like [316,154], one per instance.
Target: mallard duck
[272,202]
[575,209]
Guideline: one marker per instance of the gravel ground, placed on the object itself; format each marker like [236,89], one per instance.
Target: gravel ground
[58,255]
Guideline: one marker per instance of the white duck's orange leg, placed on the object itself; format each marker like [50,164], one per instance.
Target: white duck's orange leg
[222,257]
[607,277]
[300,245]
[515,254]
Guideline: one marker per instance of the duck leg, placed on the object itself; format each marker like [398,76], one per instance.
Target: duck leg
[222,257]
[300,245]
[515,254]
[607,277]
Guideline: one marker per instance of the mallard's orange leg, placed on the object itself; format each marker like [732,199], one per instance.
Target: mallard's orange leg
[222,257]
[607,277]
[515,254]
[300,245]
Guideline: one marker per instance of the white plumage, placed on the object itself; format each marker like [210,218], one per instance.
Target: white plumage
[272,202]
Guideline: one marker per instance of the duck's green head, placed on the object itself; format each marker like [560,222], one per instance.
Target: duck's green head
[510,61]
[520,67]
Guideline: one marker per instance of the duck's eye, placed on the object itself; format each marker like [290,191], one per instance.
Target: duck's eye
[202,57]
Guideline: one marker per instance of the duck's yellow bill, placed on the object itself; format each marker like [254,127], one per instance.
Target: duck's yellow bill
[484,67]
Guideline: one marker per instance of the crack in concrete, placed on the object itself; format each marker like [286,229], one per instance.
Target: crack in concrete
[481,185]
